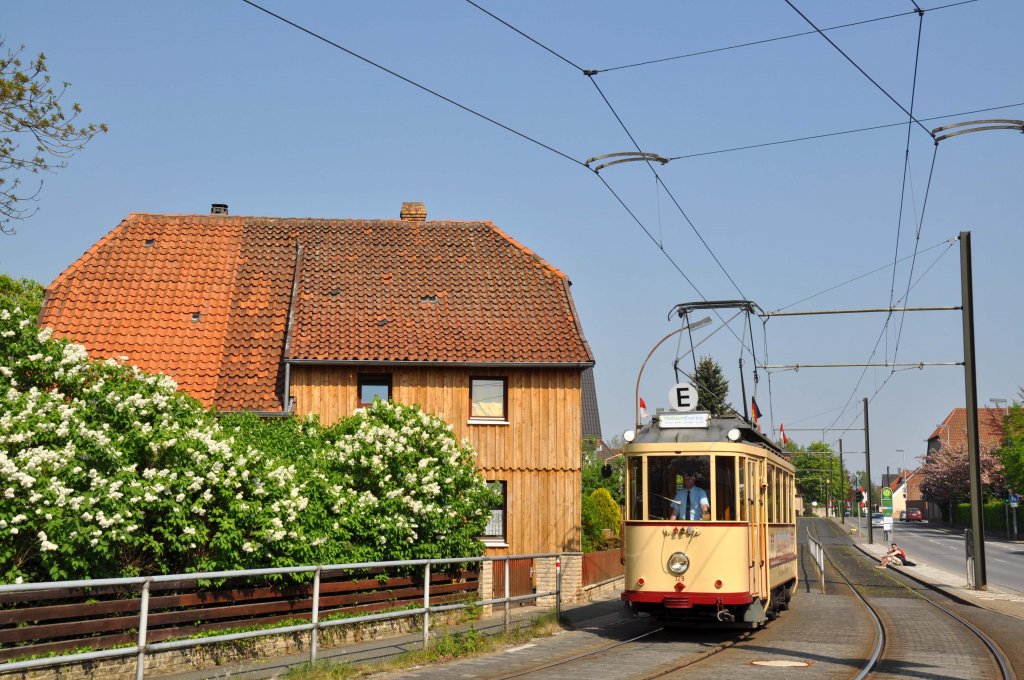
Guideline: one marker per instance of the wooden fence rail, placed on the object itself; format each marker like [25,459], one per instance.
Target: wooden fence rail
[601,566]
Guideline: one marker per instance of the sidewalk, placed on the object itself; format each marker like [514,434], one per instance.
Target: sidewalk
[953,584]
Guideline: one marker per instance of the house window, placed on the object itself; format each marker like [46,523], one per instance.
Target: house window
[488,398]
[374,386]
[494,532]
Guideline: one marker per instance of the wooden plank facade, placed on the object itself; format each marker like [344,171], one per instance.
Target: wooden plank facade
[537,453]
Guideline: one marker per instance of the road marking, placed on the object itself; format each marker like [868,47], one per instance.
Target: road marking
[520,648]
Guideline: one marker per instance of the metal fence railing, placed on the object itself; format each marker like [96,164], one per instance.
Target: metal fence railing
[818,553]
[315,625]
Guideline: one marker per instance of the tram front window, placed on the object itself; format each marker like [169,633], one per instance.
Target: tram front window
[666,482]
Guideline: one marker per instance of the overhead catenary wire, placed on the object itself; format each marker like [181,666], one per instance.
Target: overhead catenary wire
[636,145]
[769,40]
[857,66]
[949,247]
[521,134]
[484,117]
[917,241]
[825,135]
[671,196]
[948,243]
[906,159]
[412,82]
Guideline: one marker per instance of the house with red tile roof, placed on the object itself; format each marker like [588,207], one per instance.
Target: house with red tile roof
[308,315]
[952,431]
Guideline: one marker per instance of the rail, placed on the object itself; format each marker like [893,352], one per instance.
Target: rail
[142,647]
[818,553]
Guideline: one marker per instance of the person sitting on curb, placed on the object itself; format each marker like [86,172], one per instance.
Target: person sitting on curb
[895,556]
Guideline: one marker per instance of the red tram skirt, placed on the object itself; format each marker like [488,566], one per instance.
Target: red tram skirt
[673,600]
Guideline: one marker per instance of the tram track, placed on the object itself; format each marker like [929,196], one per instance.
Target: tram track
[661,671]
[882,653]
[572,659]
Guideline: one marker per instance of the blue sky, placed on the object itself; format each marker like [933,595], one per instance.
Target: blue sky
[219,102]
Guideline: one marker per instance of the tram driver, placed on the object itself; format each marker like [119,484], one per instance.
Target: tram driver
[691,503]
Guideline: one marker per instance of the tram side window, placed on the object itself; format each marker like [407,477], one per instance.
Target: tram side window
[779,494]
[636,499]
[789,498]
[665,479]
[725,488]
[743,490]
[770,495]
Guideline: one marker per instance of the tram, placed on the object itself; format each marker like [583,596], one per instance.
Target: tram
[730,562]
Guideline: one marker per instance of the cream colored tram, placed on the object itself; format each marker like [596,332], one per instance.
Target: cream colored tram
[736,567]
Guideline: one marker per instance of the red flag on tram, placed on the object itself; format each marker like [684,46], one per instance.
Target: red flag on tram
[643,408]
[782,431]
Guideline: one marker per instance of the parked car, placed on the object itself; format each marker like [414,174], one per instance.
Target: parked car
[903,515]
[913,515]
[877,519]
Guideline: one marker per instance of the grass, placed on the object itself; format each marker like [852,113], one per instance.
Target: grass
[448,647]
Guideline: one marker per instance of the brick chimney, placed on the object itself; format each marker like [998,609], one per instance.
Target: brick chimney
[219,209]
[414,212]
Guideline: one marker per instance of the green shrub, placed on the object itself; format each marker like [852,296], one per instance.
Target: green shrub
[608,511]
[994,514]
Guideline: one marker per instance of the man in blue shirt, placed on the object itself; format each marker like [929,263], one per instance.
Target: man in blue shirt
[691,502]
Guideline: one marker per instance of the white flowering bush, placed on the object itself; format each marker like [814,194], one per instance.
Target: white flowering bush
[108,471]
[407,484]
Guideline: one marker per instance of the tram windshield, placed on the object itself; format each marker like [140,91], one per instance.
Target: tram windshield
[692,488]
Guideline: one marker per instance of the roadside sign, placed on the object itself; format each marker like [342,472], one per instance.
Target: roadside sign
[887,501]
[1014,500]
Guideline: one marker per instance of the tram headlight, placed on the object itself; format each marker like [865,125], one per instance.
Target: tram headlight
[678,563]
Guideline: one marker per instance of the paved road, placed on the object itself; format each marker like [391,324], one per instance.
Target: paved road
[944,547]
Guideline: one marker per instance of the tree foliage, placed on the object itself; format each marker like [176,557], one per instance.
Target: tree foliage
[818,476]
[945,476]
[38,131]
[712,387]
[594,472]
[25,294]
[1011,453]
[108,471]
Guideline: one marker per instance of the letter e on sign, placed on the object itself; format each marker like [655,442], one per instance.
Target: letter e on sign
[682,397]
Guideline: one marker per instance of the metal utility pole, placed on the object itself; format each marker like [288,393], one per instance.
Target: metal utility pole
[867,464]
[846,483]
[971,388]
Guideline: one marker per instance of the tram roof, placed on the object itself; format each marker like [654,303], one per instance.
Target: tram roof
[717,430]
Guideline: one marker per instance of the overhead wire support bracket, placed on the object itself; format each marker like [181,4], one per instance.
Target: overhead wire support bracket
[684,308]
[626,157]
[978,126]
[885,364]
[865,311]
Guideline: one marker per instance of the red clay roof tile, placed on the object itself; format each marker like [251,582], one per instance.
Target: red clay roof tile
[367,290]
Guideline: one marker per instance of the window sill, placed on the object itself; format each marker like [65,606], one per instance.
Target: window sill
[482,421]
[494,542]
